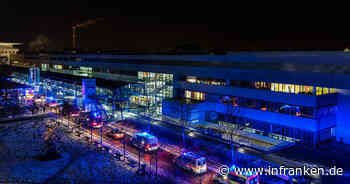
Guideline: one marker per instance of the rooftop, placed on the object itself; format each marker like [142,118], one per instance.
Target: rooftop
[9,44]
[309,57]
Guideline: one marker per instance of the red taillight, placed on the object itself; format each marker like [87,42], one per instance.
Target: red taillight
[148,146]
[94,123]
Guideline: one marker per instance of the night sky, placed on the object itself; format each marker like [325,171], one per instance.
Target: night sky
[146,27]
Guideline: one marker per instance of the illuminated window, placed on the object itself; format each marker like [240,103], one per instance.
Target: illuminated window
[333,90]
[140,75]
[289,88]
[318,91]
[58,67]
[273,87]
[325,91]
[188,94]
[195,95]
[280,87]
[297,89]
[257,84]
[284,89]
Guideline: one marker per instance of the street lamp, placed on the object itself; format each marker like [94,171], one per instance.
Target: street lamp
[124,144]
[156,163]
[101,131]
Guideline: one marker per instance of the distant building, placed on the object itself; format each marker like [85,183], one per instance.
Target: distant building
[265,98]
[7,50]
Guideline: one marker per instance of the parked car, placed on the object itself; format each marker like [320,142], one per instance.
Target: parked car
[116,134]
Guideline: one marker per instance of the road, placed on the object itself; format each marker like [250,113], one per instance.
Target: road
[217,153]
[165,164]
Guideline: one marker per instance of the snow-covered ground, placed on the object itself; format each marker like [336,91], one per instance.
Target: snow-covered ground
[21,141]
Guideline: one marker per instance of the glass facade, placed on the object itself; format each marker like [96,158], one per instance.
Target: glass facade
[155,88]
[155,76]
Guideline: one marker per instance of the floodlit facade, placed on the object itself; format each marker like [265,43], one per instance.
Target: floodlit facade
[266,98]
[7,50]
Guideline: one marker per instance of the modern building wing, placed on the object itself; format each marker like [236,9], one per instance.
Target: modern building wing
[260,96]
[7,50]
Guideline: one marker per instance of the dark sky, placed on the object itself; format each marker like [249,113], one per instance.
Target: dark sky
[149,27]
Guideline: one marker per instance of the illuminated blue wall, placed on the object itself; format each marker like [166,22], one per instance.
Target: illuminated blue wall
[343,118]
[190,112]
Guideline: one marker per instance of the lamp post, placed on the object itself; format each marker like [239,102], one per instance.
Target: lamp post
[90,133]
[139,158]
[56,116]
[124,144]
[156,164]
[101,131]
[69,119]
[61,115]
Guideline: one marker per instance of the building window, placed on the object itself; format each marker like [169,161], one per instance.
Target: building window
[58,67]
[195,95]
[318,91]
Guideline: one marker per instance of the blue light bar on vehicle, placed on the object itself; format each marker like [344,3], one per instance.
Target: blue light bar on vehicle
[146,134]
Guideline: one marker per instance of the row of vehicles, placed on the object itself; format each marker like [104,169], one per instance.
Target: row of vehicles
[145,141]
[188,161]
